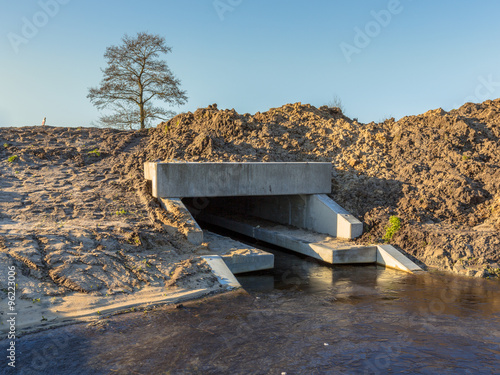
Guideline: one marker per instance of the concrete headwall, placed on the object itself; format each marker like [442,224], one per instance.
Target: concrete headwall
[181,180]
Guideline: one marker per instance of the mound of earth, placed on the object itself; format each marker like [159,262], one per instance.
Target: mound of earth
[439,172]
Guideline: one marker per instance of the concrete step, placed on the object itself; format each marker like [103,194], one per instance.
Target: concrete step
[319,246]
[239,257]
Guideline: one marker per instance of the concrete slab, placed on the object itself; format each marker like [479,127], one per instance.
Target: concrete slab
[191,230]
[388,256]
[180,180]
[315,245]
[239,257]
[221,271]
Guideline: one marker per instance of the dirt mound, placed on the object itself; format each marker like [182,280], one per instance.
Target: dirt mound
[438,172]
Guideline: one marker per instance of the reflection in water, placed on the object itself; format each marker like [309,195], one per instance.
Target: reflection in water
[435,293]
[302,318]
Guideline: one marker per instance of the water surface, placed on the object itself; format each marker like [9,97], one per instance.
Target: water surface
[302,318]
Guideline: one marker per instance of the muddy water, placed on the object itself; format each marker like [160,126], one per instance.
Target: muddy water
[302,318]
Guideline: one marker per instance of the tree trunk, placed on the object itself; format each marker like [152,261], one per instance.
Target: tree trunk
[143,119]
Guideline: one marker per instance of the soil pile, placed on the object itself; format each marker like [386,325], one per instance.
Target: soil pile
[439,172]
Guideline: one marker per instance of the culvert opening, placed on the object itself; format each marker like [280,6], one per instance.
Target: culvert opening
[241,208]
[298,223]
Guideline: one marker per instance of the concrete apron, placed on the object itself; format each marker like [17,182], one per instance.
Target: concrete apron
[319,246]
[316,245]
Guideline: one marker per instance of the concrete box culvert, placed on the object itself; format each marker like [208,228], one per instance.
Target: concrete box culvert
[285,204]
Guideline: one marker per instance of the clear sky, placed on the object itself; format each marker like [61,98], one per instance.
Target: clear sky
[383,58]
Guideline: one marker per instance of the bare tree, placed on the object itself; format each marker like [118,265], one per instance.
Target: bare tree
[135,79]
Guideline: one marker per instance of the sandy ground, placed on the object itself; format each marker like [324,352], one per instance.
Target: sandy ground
[84,235]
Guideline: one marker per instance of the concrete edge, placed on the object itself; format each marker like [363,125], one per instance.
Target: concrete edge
[221,271]
[193,232]
[348,226]
[388,256]
[150,174]
[147,172]
[255,260]
[86,315]
[249,263]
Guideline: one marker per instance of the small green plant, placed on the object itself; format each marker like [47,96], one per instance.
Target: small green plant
[98,312]
[95,152]
[35,300]
[5,145]
[121,212]
[465,157]
[12,158]
[392,228]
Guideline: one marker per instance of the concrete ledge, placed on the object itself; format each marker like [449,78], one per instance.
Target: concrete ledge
[315,245]
[221,271]
[249,263]
[181,180]
[388,256]
[191,230]
[239,257]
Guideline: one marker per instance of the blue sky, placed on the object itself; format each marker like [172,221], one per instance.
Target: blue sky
[382,58]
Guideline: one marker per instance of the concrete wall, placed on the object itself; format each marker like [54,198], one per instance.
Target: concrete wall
[191,230]
[316,212]
[180,180]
